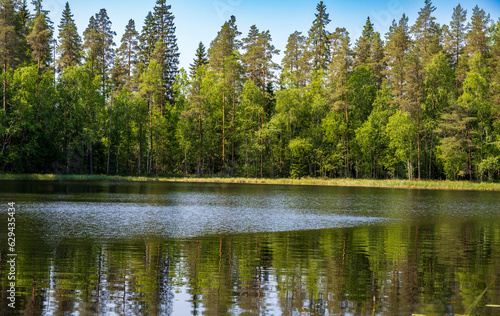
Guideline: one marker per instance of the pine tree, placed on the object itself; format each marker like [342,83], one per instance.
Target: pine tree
[295,64]
[414,94]
[376,60]
[200,59]
[106,51]
[23,29]
[426,30]
[98,43]
[39,40]
[398,43]
[364,44]
[456,38]
[495,63]
[224,60]
[198,68]
[38,10]
[340,67]
[23,14]
[38,7]
[127,52]
[165,31]
[147,41]
[91,44]
[70,47]
[457,33]
[477,39]
[318,40]
[222,51]
[369,51]
[258,55]
[9,42]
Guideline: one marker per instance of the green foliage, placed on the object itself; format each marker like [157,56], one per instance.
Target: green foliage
[401,134]
[300,149]
[372,138]
[423,104]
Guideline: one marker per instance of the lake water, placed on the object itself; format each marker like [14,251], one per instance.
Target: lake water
[116,248]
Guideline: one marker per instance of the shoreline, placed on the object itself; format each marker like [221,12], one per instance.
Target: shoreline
[378,183]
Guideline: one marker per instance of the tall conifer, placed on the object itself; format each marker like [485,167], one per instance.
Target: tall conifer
[319,39]
[127,52]
[200,59]
[39,40]
[294,63]
[224,59]
[165,32]
[9,41]
[456,34]
[147,40]
[70,42]
[364,44]
[477,38]
[398,43]
[426,31]
[106,51]
[340,67]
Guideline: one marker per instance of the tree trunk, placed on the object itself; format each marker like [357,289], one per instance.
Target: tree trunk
[92,118]
[150,135]
[38,74]
[4,86]
[232,141]
[418,137]
[140,149]
[246,155]
[109,133]
[68,159]
[117,154]
[199,140]
[347,135]
[129,62]
[470,160]
[91,158]
[223,130]
[409,168]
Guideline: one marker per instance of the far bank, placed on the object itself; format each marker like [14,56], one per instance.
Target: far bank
[394,183]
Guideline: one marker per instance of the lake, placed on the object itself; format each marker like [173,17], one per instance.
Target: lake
[151,248]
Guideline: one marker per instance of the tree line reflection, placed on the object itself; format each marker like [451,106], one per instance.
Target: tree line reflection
[443,268]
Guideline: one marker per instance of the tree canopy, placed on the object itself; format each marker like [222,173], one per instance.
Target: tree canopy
[419,100]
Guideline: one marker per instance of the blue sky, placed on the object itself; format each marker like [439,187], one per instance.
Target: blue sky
[199,20]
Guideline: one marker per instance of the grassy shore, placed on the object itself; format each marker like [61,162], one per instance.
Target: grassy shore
[422,184]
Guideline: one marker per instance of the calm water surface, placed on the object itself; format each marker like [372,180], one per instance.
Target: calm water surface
[115,248]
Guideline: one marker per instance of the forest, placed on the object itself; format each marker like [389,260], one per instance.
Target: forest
[421,101]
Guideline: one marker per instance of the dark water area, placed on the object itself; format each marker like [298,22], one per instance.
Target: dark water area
[120,248]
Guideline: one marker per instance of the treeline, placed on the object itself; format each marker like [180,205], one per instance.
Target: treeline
[421,101]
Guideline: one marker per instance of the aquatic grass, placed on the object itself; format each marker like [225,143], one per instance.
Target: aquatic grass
[415,184]
[474,304]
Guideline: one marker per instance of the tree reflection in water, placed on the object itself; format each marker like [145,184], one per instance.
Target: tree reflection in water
[398,269]
[180,249]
